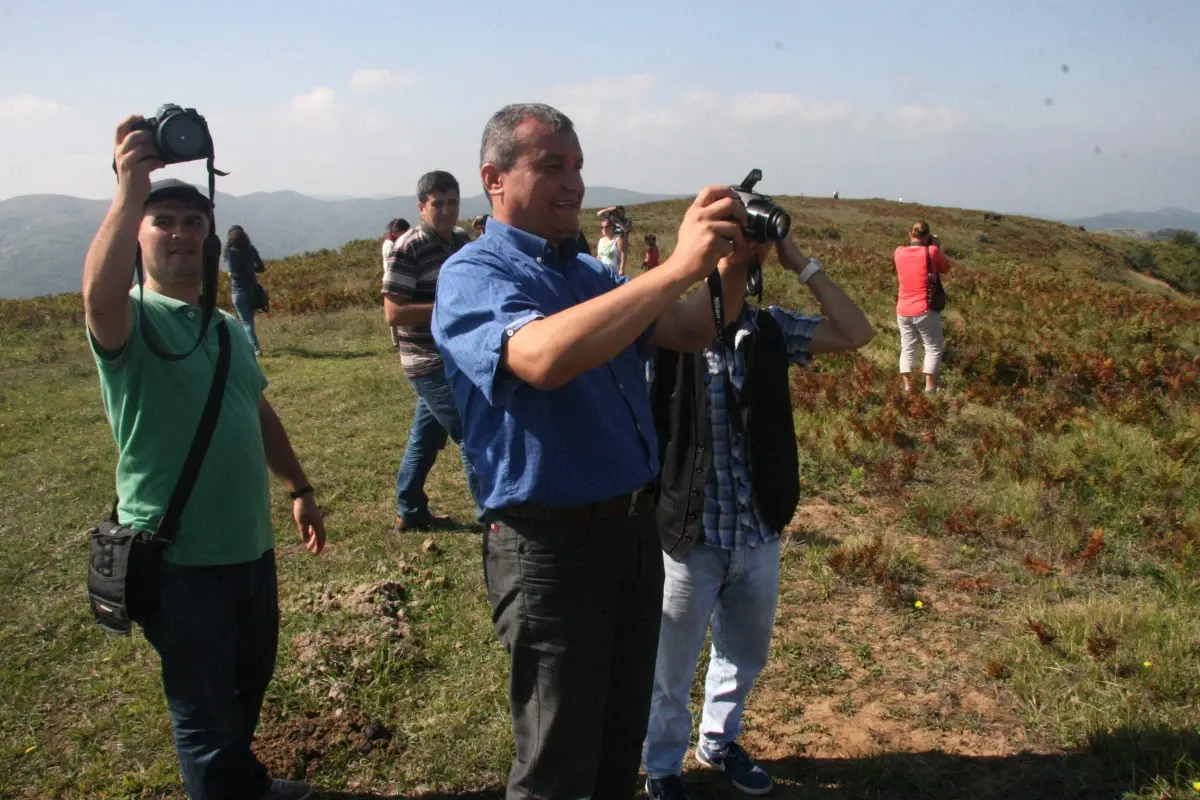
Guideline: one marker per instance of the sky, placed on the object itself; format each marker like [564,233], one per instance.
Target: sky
[1057,108]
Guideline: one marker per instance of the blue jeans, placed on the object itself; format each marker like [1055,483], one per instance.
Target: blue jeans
[739,590]
[243,303]
[216,636]
[435,420]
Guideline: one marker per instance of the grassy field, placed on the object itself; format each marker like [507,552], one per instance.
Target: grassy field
[992,595]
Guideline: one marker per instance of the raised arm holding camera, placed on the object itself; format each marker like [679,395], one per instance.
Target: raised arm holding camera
[541,345]
[206,584]
[730,483]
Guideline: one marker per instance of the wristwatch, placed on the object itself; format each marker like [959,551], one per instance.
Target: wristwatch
[811,268]
[303,490]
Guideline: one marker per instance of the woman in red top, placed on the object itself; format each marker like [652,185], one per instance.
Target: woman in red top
[650,254]
[916,320]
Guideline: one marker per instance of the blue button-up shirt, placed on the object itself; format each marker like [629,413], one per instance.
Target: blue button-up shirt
[589,440]
[731,517]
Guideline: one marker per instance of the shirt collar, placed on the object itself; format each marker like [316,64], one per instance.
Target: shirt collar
[161,300]
[746,325]
[531,244]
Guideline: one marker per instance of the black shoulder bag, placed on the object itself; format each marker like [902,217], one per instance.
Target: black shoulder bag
[125,565]
[933,285]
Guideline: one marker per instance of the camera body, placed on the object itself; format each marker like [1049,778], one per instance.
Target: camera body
[767,221]
[180,134]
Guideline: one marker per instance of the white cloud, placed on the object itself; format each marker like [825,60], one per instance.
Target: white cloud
[316,105]
[623,88]
[924,120]
[767,105]
[24,108]
[369,80]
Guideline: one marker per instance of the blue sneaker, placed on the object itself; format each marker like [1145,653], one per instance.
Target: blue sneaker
[746,776]
[668,788]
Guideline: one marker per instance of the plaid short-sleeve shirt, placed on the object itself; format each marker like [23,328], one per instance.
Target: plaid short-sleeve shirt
[412,274]
[731,518]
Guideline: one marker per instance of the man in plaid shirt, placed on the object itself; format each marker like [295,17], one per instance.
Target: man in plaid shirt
[720,519]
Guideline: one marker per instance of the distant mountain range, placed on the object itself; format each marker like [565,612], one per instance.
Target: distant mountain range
[1173,218]
[43,238]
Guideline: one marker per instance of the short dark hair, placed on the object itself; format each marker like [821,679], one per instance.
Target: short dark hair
[434,182]
[920,227]
[499,145]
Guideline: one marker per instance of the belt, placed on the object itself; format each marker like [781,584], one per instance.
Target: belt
[636,502]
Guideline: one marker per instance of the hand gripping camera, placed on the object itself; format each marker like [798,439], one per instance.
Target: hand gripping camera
[180,134]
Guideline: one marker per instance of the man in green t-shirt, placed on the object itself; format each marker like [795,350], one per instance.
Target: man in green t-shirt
[218,626]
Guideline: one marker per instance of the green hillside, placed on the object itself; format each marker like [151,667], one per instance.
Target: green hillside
[995,594]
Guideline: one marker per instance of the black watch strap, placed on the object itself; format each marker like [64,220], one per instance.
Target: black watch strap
[303,490]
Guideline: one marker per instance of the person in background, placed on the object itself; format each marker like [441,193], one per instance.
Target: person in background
[396,228]
[650,254]
[409,288]
[916,320]
[479,225]
[610,249]
[730,482]
[244,264]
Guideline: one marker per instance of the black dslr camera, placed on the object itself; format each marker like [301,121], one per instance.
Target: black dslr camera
[181,134]
[767,222]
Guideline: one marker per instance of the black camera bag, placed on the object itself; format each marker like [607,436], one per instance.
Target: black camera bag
[124,580]
[933,285]
[262,301]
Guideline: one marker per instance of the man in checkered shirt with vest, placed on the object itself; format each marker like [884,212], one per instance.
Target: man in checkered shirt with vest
[729,484]
[409,283]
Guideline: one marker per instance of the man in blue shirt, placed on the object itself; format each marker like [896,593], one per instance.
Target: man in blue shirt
[544,352]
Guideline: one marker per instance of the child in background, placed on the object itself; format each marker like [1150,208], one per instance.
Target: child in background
[650,254]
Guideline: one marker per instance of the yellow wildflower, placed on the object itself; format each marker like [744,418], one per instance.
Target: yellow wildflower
[918,604]
[1147,664]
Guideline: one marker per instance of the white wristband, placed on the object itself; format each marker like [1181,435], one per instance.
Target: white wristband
[811,268]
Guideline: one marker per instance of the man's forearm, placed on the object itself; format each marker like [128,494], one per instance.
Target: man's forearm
[281,458]
[842,312]
[403,312]
[108,267]
[550,352]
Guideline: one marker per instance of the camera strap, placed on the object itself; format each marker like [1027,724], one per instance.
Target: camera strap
[211,257]
[735,410]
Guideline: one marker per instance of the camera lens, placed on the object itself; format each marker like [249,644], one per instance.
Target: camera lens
[183,138]
[768,222]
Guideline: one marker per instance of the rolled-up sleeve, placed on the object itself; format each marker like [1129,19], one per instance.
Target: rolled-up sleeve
[478,308]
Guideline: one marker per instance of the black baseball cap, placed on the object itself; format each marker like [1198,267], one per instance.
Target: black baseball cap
[175,189]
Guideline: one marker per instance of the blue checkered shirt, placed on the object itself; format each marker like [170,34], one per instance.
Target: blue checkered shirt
[731,517]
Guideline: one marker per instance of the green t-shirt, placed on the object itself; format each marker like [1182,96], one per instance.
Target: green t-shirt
[154,407]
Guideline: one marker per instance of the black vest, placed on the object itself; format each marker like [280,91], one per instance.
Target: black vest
[680,404]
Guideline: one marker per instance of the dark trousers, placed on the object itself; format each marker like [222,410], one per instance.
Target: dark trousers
[577,606]
[216,636]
